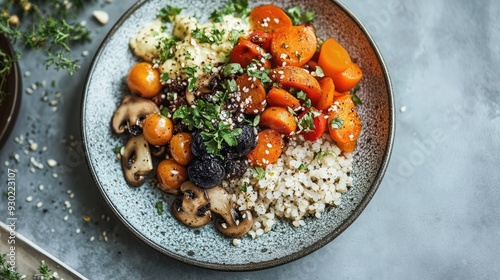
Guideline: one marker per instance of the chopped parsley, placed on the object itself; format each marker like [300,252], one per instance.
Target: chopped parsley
[214,36]
[259,172]
[165,76]
[298,17]
[239,8]
[321,154]
[159,208]
[355,97]
[166,48]
[232,69]
[253,70]
[117,149]
[208,118]
[306,122]
[191,73]
[168,13]
[302,167]
[243,187]
[336,123]
[319,72]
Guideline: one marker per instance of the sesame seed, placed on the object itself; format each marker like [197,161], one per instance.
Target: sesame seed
[39,204]
[92,238]
[29,198]
[402,109]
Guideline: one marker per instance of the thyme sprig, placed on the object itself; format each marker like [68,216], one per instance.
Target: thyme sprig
[46,26]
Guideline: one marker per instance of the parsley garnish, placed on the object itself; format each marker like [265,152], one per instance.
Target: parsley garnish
[232,69]
[165,76]
[214,37]
[159,208]
[302,167]
[306,122]
[191,73]
[117,149]
[319,72]
[253,70]
[238,8]
[336,123]
[168,13]
[166,48]
[355,97]
[320,155]
[234,35]
[259,172]
[206,117]
[298,17]
[243,187]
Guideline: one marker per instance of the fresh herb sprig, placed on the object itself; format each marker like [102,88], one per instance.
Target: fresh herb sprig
[9,273]
[46,26]
[299,17]
[238,8]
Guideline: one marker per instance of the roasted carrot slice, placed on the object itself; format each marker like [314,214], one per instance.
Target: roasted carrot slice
[253,94]
[262,39]
[294,45]
[269,18]
[280,97]
[347,79]
[268,149]
[245,52]
[279,119]
[295,77]
[333,58]
[327,94]
[343,123]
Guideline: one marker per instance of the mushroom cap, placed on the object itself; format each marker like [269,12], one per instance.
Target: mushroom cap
[132,110]
[193,208]
[231,222]
[136,160]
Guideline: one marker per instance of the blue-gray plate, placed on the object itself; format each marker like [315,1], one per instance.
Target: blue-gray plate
[205,247]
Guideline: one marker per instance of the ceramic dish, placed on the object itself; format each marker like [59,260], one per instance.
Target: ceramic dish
[205,247]
[12,86]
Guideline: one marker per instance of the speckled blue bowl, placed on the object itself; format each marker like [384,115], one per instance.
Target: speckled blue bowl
[205,247]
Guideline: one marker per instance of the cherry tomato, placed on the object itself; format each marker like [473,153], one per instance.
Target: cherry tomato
[171,175]
[180,148]
[144,80]
[157,129]
[319,120]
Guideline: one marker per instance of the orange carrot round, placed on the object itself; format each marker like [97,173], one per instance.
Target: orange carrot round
[327,94]
[253,94]
[347,79]
[344,124]
[269,18]
[268,149]
[245,52]
[333,58]
[279,119]
[297,78]
[280,97]
[294,45]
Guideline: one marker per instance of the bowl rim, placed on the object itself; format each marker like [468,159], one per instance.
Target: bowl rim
[13,101]
[265,264]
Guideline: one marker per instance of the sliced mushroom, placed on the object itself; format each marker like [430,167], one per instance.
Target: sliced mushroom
[131,112]
[232,222]
[194,208]
[204,84]
[136,160]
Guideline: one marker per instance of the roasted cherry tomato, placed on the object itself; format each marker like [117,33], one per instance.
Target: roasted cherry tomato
[171,175]
[144,80]
[157,129]
[180,148]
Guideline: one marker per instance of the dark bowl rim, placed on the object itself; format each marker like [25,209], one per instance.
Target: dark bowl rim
[271,263]
[13,101]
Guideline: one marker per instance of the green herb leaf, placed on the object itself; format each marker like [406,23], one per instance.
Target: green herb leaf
[298,17]
[259,172]
[336,123]
[117,149]
[168,13]
[238,8]
[302,167]
[320,155]
[159,208]
[232,69]
[164,77]
[319,72]
[243,187]
[355,97]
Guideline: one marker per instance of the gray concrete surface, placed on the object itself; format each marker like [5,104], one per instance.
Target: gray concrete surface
[436,214]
